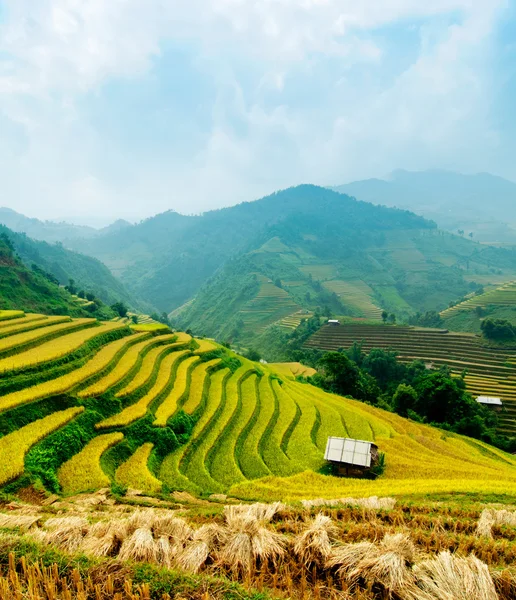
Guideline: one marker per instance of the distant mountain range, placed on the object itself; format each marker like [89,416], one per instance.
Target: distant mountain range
[482,204]
[50,231]
[235,271]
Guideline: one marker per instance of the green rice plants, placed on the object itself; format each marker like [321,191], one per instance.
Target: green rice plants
[205,434]
[285,410]
[247,448]
[221,460]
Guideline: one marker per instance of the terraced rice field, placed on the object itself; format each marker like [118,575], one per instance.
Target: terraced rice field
[270,305]
[159,413]
[293,321]
[490,371]
[357,295]
[504,295]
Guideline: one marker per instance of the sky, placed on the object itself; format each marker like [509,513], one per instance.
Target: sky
[126,108]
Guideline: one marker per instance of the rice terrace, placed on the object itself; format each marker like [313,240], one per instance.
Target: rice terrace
[89,407]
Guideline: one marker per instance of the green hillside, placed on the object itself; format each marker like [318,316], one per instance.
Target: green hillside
[340,256]
[305,236]
[497,303]
[32,290]
[87,405]
[88,273]
[490,371]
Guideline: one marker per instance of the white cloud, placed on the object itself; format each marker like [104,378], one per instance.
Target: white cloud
[360,123]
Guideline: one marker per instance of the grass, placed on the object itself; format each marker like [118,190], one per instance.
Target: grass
[83,472]
[14,447]
[134,472]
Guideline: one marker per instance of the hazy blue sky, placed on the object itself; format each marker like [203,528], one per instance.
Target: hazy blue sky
[131,107]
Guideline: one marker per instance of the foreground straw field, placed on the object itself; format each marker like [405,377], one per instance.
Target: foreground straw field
[103,547]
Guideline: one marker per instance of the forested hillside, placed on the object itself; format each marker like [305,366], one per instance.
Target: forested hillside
[88,273]
[323,248]
[339,256]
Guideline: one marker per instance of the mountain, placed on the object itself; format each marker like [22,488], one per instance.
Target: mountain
[239,269]
[47,231]
[483,204]
[339,255]
[31,290]
[88,273]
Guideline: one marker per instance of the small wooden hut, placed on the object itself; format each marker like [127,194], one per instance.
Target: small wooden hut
[351,457]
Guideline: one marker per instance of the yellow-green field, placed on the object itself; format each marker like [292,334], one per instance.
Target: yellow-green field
[255,432]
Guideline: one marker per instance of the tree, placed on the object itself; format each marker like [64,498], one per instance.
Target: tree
[471,234]
[385,316]
[120,309]
[90,296]
[498,329]
[392,318]
[134,319]
[340,373]
[404,399]
[81,294]
[71,287]
[461,232]
[253,355]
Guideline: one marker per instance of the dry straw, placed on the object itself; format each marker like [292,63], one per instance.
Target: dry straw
[139,547]
[490,517]
[206,540]
[314,543]
[371,503]
[450,577]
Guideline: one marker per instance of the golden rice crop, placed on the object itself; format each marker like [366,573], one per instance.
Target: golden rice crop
[6,315]
[148,327]
[147,368]
[170,404]
[27,318]
[62,384]
[28,337]
[83,471]
[8,328]
[122,368]
[205,346]
[135,473]
[56,348]
[139,409]
[196,390]
[14,446]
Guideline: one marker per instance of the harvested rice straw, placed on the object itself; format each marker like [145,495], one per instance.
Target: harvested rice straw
[448,576]
[314,543]
[23,522]
[205,540]
[490,517]
[140,547]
